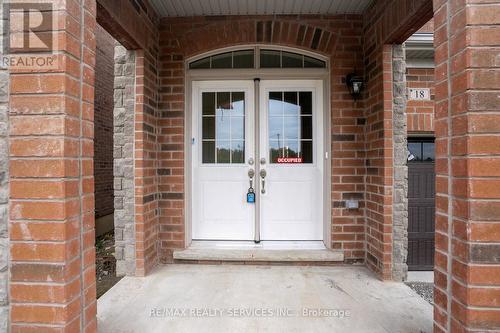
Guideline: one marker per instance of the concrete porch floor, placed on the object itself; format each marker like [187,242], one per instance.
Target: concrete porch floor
[245,298]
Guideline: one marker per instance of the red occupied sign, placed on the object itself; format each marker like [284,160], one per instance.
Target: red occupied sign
[289,160]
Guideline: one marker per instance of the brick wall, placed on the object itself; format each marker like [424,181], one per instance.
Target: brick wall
[147,160]
[103,123]
[338,37]
[51,221]
[467,125]
[386,22]
[420,114]
[134,24]
[428,27]
[4,185]
[52,274]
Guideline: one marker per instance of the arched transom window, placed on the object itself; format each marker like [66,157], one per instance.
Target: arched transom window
[257,58]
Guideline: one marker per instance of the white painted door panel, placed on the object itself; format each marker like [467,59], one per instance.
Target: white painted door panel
[220,172]
[290,130]
[291,207]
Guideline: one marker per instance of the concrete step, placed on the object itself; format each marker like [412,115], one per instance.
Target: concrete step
[281,255]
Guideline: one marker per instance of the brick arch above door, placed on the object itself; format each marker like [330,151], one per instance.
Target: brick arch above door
[311,33]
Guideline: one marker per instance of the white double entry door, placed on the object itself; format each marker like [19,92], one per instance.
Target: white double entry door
[272,129]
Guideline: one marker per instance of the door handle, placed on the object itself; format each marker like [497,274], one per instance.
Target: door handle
[263,174]
[251,174]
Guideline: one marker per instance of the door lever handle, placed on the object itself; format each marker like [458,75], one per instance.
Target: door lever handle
[263,175]
[251,174]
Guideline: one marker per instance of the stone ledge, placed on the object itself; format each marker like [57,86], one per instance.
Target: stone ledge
[259,255]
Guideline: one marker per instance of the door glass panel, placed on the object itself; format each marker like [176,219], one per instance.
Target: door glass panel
[421,150]
[209,128]
[305,102]
[283,59]
[291,107]
[237,128]
[306,127]
[223,151]
[276,128]
[290,125]
[223,127]
[224,60]
[291,148]
[243,59]
[306,150]
[235,59]
[415,149]
[275,149]
[291,60]
[208,151]
[292,128]
[313,63]
[238,151]
[223,104]
[200,64]
[275,104]
[208,103]
[428,151]
[238,104]
[270,59]
[223,114]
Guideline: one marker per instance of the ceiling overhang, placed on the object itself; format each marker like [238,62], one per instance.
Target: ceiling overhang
[186,8]
[420,50]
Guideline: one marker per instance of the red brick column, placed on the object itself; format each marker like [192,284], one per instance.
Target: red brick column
[379,164]
[385,23]
[52,252]
[145,165]
[467,272]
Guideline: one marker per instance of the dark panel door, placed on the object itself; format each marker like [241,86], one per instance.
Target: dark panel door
[421,206]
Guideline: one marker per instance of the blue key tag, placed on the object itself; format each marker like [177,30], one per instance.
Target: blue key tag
[251,195]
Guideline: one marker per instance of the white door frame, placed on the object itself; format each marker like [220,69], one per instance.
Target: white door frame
[264,74]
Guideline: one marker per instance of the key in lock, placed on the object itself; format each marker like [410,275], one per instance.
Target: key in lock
[251,195]
[251,191]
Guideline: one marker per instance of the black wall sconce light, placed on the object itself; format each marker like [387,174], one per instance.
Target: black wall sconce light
[355,84]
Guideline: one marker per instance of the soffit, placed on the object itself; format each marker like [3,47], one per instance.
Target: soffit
[183,8]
